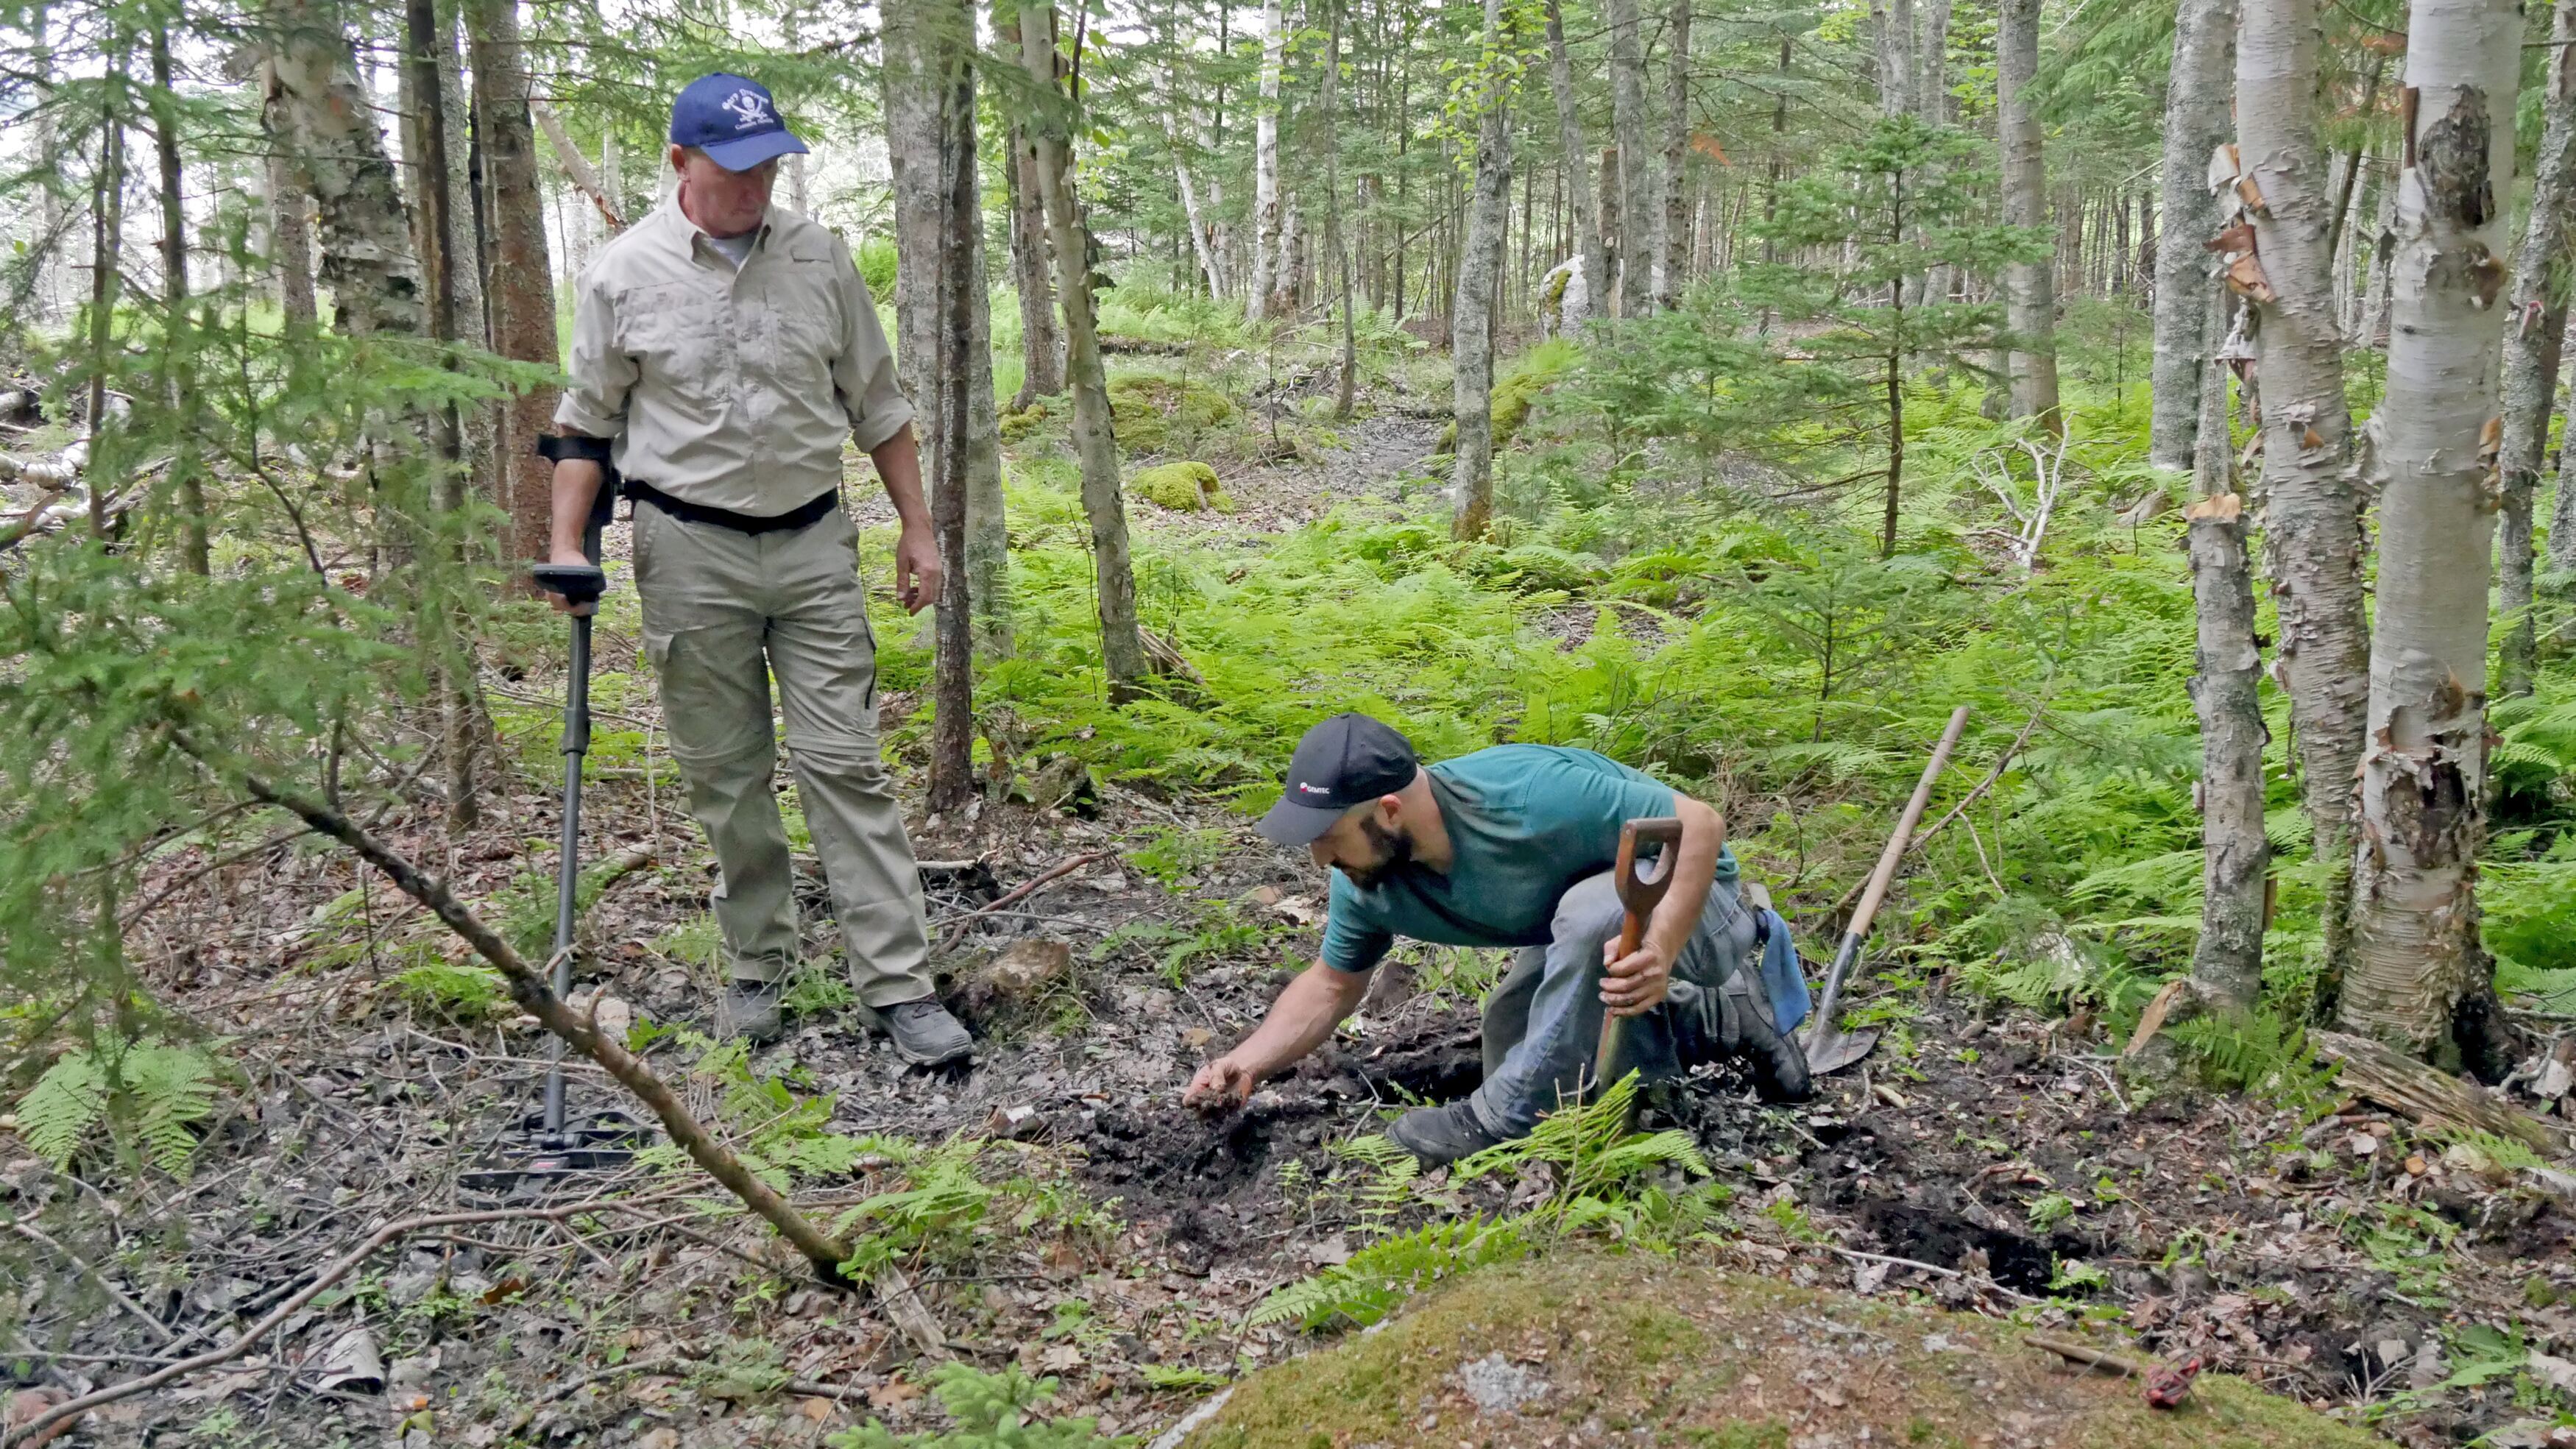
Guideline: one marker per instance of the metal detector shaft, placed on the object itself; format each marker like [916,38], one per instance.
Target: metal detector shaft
[576,744]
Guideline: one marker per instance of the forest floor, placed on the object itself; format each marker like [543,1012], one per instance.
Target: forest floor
[2008,1161]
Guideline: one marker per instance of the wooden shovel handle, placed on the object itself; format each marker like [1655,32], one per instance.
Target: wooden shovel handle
[1896,843]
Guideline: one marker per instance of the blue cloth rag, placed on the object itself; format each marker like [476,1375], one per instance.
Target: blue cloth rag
[1783,979]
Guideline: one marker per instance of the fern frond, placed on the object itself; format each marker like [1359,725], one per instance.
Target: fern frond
[65,1103]
[1385,1273]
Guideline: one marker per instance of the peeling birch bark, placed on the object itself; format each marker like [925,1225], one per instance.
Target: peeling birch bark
[2416,954]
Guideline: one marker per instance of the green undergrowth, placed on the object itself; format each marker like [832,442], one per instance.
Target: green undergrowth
[1714,621]
[1685,1353]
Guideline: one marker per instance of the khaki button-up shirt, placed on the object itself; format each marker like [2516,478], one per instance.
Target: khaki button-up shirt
[730,389]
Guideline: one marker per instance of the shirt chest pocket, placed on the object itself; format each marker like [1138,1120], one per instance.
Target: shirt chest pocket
[676,335]
[804,334]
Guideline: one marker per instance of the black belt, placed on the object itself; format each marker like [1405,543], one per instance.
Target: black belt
[805,516]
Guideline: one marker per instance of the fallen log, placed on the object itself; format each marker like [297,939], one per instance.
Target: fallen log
[2432,1097]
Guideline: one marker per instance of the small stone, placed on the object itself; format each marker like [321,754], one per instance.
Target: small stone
[2362,1144]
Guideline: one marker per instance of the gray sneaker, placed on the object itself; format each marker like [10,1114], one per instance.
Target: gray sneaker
[1442,1135]
[923,1032]
[752,1009]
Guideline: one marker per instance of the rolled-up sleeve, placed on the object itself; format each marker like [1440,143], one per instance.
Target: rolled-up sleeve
[602,374]
[863,373]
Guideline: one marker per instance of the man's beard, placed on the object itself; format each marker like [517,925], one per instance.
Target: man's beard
[1394,851]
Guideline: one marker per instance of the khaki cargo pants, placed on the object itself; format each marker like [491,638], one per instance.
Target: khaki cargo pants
[724,612]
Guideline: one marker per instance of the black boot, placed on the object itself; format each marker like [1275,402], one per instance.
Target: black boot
[1726,1022]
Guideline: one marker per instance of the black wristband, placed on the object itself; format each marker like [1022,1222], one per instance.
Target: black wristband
[557,447]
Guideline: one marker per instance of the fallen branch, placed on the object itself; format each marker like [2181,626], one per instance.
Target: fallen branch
[528,987]
[32,1431]
[2433,1098]
[2084,1353]
[1920,1266]
[90,1271]
[1057,871]
[575,165]
[1988,783]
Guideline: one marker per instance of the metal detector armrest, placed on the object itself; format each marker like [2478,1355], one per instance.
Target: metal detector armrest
[578,583]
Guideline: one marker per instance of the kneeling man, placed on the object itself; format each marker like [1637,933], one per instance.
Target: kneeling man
[1513,846]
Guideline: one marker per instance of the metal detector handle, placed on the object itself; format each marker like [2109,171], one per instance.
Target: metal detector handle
[1885,874]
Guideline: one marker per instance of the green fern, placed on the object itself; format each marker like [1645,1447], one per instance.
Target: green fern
[2257,1052]
[1597,1158]
[145,1094]
[992,1411]
[1385,1273]
[66,1102]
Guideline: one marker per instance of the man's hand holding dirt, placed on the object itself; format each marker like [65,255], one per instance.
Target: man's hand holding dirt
[1220,1086]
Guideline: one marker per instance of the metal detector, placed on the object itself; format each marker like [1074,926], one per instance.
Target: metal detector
[558,1146]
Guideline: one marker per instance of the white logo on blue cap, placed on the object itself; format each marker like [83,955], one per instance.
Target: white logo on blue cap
[749,109]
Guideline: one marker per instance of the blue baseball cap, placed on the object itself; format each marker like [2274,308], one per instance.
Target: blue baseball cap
[734,120]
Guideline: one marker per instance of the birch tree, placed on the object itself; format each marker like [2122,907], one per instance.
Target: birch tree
[2416,954]
[1346,380]
[2312,502]
[1584,216]
[2196,97]
[2535,329]
[1265,165]
[1122,644]
[2030,287]
[319,116]
[1471,338]
[2227,961]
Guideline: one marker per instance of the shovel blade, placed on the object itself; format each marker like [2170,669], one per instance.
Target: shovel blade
[1829,1050]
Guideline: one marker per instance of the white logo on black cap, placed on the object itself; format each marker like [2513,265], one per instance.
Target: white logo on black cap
[1313,789]
[749,110]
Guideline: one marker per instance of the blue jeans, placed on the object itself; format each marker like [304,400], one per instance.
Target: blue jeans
[1543,1022]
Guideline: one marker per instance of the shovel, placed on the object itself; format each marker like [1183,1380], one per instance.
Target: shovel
[1829,1048]
[1640,891]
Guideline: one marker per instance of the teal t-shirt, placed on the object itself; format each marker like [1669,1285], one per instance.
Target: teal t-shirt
[1525,822]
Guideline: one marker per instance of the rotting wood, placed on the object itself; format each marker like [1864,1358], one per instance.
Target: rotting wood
[2431,1097]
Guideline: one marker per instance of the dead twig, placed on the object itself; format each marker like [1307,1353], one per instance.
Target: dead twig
[31,1432]
[1052,873]
[90,1271]
[2084,1353]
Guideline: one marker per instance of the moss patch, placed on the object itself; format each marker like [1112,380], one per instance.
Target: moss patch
[1020,424]
[1145,410]
[1182,487]
[1594,1346]
[1516,392]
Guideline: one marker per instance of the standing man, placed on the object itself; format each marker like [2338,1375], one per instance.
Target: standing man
[722,352]
[1513,846]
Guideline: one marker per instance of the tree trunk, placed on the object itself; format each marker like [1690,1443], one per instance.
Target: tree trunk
[1675,249]
[1265,166]
[930,44]
[1471,337]
[2311,502]
[1932,66]
[1635,208]
[2535,329]
[178,383]
[1346,385]
[290,237]
[1122,645]
[2416,954]
[1041,343]
[2196,119]
[2227,964]
[2383,250]
[323,120]
[1578,176]
[585,178]
[930,138]
[522,294]
[1892,27]
[2030,287]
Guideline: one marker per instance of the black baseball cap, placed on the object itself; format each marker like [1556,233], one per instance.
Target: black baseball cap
[734,120]
[1347,760]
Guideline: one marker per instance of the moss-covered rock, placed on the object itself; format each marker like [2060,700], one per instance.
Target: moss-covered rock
[1019,424]
[1182,488]
[1579,1348]
[1143,409]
